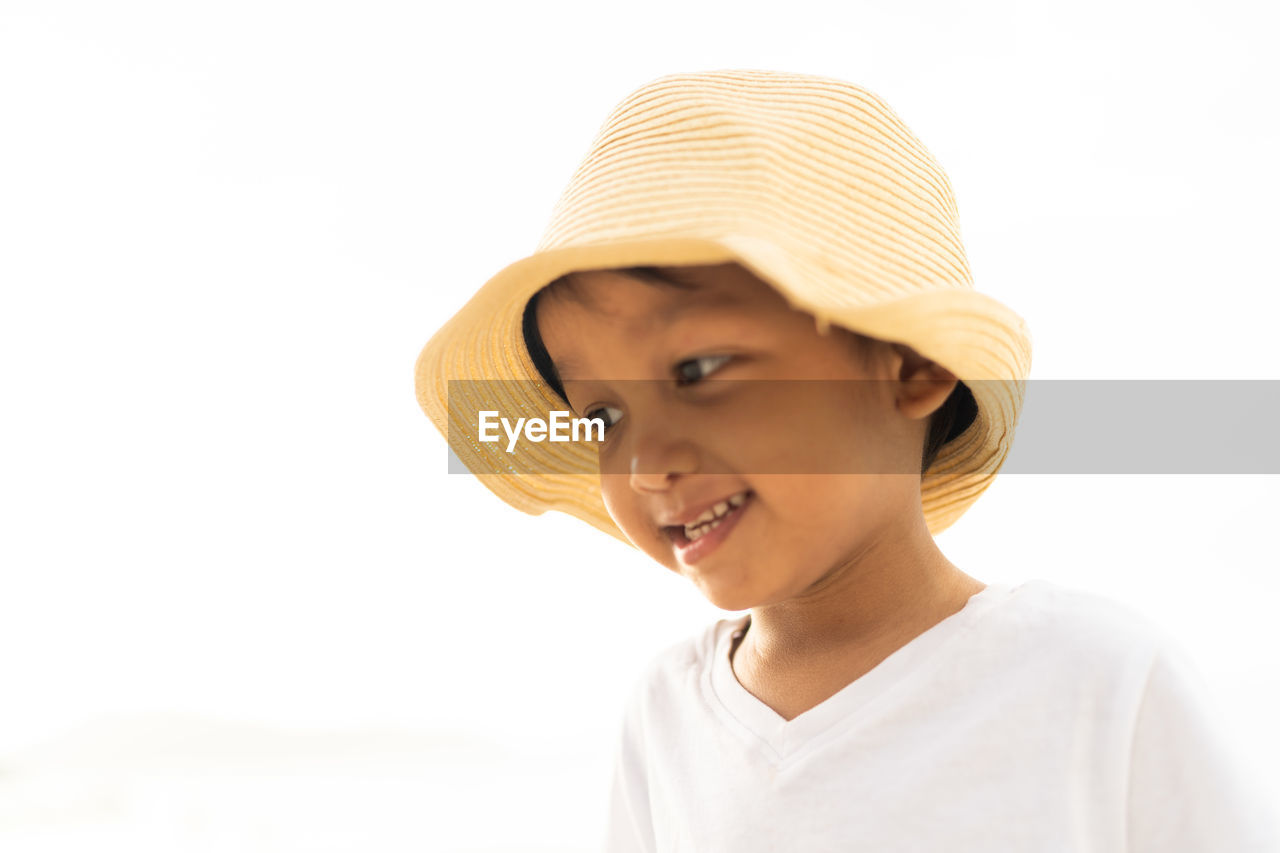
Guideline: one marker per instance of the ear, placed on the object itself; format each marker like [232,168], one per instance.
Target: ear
[924,385]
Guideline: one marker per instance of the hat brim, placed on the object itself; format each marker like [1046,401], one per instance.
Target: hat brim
[974,336]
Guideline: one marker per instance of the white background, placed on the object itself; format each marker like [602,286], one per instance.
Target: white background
[244,606]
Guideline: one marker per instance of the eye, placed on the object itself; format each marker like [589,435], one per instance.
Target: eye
[608,414]
[691,370]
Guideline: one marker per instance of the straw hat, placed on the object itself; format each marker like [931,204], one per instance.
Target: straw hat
[811,183]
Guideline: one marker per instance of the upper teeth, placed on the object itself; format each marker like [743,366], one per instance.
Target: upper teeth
[694,529]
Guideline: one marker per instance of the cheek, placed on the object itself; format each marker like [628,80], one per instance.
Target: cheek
[624,508]
[821,514]
[811,427]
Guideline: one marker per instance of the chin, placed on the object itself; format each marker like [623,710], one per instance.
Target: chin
[728,597]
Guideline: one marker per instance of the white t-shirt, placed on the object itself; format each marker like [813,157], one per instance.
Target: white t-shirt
[1035,719]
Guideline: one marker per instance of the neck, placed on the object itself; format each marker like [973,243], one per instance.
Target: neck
[895,588]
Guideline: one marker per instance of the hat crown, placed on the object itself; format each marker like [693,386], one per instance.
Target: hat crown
[821,161]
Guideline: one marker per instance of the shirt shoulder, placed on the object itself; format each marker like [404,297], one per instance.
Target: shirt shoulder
[1073,622]
[671,675]
[1055,646]
[677,660]
[1188,786]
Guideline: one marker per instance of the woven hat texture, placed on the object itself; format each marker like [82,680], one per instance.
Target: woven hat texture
[813,184]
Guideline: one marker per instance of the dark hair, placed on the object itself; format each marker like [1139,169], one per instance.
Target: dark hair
[537,350]
[951,419]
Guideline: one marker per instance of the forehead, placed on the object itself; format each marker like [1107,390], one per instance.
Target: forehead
[645,296]
[605,313]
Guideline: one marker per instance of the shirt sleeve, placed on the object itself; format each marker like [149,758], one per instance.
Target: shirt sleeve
[629,824]
[1189,791]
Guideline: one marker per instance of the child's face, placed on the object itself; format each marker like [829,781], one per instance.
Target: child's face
[679,443]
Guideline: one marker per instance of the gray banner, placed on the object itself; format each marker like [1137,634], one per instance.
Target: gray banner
[823,426]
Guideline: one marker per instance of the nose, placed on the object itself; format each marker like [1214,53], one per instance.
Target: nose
[658,458]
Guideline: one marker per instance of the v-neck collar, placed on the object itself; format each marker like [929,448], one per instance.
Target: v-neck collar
[783,740]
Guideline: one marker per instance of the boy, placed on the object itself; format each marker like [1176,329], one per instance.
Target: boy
[755,283]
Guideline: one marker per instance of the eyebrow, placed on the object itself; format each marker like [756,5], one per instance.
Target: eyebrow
[567,366]
[652,275]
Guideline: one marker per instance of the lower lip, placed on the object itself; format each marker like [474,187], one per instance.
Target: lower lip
[691,552]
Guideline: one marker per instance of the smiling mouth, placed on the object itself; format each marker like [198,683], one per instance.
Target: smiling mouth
[683,535]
